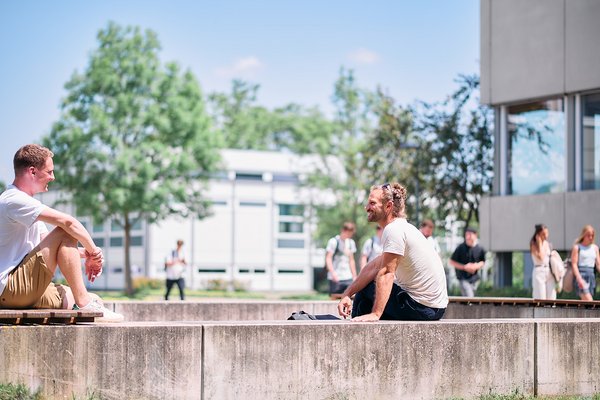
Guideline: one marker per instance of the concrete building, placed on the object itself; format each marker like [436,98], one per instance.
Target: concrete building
[258,237]
[540,71]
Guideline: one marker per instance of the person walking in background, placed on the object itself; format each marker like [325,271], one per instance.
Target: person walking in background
[584,258]
[426,229]
[372,247]
[175,266]
[341,267]
[467,260]
[543,282]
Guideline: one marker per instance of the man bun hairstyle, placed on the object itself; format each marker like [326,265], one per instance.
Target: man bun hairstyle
[30,155]
[395,193]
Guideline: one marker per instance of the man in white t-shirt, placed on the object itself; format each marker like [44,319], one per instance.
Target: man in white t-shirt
[406,282]
[29,254]
[341,267]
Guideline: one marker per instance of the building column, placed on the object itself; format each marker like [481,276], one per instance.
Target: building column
[503,270]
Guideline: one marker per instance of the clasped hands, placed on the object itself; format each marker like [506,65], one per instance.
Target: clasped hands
[93,264]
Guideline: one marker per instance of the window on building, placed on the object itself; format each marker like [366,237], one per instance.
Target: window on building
[99,241]
[137,241]
[536,160]
[290,243]
[590,127]
[116,242]
[99,227]
[291,227]
[291,209]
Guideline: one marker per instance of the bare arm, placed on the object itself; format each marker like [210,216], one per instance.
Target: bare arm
[575,266]
[353,266]
[70,225]
[329,263]
[365,276]
[384,280]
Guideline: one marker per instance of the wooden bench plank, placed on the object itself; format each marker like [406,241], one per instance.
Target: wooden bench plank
[46,316]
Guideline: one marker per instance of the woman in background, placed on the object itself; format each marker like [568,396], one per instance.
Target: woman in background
[543,282]
[584,258]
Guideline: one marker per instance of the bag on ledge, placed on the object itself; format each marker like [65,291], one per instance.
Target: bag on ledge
[304,316]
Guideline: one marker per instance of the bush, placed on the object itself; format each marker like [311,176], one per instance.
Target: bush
[142,284]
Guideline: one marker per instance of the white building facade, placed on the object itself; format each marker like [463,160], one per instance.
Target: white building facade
[259,236]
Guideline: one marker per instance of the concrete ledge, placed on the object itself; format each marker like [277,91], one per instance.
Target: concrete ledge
[305,359]
[253,310]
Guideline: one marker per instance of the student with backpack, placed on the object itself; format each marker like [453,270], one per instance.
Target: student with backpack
[585,258]
[372,248]
[339,261]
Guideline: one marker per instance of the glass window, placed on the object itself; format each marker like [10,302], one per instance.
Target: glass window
[290,243]
[116,242]
[115,226]
[591,141]
[137,241]
[291,227]
[98,227]
[291,209]
[536,160]
[99,241]
[137,226]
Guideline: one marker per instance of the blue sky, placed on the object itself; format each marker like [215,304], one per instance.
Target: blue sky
[294,50]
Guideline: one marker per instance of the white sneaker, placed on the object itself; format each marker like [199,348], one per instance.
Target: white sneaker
[107,315]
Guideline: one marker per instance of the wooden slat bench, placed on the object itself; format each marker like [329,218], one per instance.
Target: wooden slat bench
[45,317]
[517,301]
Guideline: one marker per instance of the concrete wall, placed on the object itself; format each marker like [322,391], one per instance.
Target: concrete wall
[236,310]
[537,48]
[299,360]
[508,221]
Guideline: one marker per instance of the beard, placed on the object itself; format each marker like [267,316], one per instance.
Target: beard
[374,216]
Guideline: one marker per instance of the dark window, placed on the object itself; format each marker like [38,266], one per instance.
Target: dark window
[291,209]
[248,177]
[290,271]
[137,241]
[99,242]
[116,242]
[291,227]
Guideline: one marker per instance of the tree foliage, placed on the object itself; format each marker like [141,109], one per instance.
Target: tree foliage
[246,125]
[457,151]
[133,141]
[370,127]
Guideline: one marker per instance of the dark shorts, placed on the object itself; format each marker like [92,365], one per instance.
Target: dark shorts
[400,306]
[339,287]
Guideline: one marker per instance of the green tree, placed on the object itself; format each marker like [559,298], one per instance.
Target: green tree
[133,141]
[456,155]
[246,125]
[364,151]
[2,186]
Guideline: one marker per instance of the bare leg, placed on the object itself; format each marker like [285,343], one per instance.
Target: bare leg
[60,249]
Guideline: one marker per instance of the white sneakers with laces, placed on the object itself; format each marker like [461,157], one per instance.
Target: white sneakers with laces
[107,315]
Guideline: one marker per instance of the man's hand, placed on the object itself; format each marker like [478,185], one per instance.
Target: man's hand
[334,277]
[345,307]
[372,317]
[93,264]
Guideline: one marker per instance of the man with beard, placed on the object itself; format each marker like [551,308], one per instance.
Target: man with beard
[407,281]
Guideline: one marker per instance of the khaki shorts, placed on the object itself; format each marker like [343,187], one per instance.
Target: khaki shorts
[29,285]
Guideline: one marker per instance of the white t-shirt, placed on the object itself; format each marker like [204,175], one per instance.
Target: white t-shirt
[175,271]
[19,233]
[372,248]
[341,258]
[420,271]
